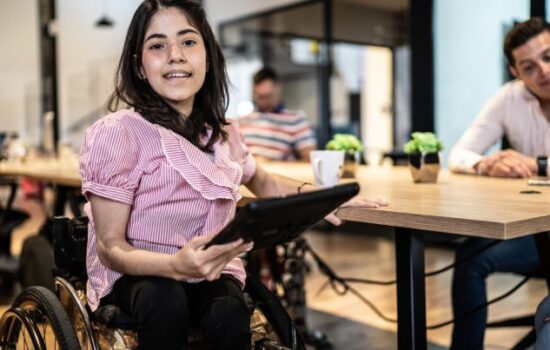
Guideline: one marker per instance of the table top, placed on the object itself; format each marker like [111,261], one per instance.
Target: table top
[459,204]
[55,170]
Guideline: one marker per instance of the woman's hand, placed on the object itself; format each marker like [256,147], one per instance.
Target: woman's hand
[356,202]
[195,261]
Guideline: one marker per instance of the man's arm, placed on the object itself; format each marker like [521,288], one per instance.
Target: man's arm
[303,153]
[486,130]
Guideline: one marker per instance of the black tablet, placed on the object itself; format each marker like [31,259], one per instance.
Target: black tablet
[273,221]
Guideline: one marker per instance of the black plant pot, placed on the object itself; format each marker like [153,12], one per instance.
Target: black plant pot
[351,160]
[424,166]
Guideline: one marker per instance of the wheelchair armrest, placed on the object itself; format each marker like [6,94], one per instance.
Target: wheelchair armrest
[69,241]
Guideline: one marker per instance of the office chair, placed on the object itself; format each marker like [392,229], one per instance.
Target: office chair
[9,220]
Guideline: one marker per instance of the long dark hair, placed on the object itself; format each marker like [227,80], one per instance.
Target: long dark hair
[211,100]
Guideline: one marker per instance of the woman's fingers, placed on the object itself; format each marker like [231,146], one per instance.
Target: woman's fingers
[356,202]
[333,219]
[364,202]
[215,258]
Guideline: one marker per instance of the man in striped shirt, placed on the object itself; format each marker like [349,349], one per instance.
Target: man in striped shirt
[273,132]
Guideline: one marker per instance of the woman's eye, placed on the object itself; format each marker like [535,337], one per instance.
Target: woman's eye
[155,47]
[189,42]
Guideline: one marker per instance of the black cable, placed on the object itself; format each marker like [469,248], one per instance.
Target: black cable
[427,274]
[460,261]
[335,281]
[479,307]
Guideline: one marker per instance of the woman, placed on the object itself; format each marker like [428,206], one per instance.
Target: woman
[162,177]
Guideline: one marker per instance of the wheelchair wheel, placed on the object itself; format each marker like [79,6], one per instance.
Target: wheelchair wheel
[276,314]
[37,321]
[75,307]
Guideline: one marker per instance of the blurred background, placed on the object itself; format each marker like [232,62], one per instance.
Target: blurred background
[374,68]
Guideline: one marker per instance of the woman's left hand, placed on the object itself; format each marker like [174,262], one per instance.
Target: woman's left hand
[356,202]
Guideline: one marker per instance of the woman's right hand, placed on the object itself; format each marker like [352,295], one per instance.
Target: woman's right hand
[195,261]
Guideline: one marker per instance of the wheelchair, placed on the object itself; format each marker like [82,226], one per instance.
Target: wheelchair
[38,319]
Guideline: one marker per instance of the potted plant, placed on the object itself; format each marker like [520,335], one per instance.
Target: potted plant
[352,148]
[423,150]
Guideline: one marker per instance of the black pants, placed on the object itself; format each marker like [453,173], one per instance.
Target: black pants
[164,309]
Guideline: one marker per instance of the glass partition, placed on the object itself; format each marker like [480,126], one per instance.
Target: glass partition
[366,34]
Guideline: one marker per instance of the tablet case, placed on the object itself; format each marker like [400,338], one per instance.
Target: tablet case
[272,221]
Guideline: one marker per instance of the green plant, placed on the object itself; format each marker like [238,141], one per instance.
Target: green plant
[423,142]
[344,142]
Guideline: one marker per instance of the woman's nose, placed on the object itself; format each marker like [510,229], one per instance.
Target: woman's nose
[176,54]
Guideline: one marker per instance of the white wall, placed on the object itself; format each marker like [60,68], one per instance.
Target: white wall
[86,60]
[469,63]
[376,102]
[88,56]
[19,64]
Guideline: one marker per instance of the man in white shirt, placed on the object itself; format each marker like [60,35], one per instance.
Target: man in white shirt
[520,111]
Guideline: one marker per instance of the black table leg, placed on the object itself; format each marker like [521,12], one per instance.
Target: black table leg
[411,294]
[543,247]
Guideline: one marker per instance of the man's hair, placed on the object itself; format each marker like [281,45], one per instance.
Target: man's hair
[522,33]
[266,73]
[210,102]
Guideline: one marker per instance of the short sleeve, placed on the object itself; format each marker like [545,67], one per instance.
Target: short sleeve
[304,136]
[109,162]
[239,152]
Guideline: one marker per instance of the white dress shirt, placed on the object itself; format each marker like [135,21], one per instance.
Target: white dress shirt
[515,112]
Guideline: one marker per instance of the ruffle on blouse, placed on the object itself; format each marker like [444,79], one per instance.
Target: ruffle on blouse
[218,179]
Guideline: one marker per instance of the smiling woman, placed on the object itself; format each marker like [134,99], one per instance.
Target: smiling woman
[163,177]
[166,39]
[174,59]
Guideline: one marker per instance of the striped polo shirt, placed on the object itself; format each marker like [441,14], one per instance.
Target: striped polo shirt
[277,136]
[176,191]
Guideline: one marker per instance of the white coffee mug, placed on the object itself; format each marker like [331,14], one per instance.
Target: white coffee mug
[327,167]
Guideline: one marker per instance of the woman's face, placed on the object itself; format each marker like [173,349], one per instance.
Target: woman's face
[174,59]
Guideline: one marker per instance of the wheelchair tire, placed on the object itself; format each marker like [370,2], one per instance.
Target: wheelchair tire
[275,313]
[37,310]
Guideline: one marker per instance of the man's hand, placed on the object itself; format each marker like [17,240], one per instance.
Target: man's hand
[508,163]
[356,202]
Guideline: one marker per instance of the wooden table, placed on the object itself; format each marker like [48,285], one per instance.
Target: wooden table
[457,204]
[63,173]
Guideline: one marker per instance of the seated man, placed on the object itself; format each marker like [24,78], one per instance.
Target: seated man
[273,132]
[542,324]
[520,111]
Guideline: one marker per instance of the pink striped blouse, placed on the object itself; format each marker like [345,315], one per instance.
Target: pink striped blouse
[176,191]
